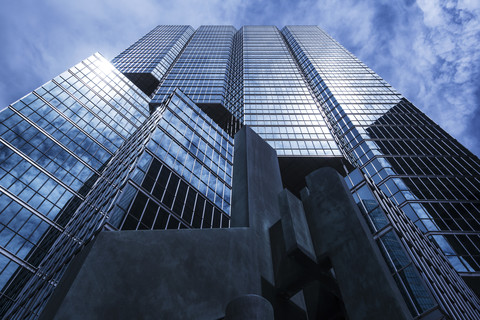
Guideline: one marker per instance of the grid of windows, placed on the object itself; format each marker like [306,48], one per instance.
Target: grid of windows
[234,91]
[201,70]
[277,102]
[171,203]
[188,157]
[389,225]
[148,60]
[54,143]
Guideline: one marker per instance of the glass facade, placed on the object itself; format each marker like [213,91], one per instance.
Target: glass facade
[147,144]
[201,70]
[421,168]
[54,144]
[183,175]
[406,248]
[277,103]
[147,61]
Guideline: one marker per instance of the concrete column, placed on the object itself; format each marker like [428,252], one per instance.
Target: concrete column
[340,232]
[256,185]
[249,307]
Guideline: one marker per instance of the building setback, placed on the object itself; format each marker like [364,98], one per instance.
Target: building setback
[231,130]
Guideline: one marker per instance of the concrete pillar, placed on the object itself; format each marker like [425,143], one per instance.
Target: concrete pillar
[255,188]
[249,307]
[340,232]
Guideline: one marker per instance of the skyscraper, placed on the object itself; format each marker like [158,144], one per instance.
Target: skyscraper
[146,142]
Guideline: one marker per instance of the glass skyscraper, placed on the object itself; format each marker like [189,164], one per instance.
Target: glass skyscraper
[422,169]
[146,142]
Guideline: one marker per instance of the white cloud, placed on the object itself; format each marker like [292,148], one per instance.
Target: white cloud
[450,35]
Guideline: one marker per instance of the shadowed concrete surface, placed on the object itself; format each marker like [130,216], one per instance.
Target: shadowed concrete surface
[256,185]
[249,307]
[165,274]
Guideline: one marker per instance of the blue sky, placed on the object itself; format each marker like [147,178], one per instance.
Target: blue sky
[427,49]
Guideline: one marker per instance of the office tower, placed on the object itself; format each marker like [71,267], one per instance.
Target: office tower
[147,142]
[422,169]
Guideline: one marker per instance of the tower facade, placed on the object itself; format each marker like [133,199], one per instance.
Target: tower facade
[421,168]
[146,142]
